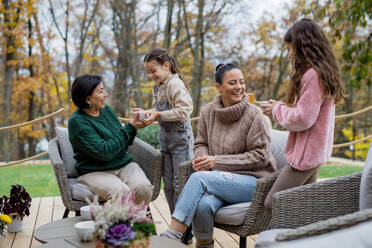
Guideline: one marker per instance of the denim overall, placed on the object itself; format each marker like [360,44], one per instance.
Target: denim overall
[176,144]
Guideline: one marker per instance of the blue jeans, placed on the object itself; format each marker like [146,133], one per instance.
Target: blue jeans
[207,191]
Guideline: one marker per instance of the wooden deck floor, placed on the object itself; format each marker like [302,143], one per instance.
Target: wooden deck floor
[47,209]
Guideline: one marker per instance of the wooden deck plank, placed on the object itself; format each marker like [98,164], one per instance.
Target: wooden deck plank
[163,208]
[160,224]
[44,216]
[23,238]
[58,209]
[224,239]
[45,210]
[7,241]
[251,240]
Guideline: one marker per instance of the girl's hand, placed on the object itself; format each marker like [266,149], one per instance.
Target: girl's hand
[203,163]
[267,108]
[136,123]
[153,116]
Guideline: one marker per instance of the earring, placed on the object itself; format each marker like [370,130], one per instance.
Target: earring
[90,106]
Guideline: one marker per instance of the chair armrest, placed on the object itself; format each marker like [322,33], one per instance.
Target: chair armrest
[151,162]
[54,152]
[257,219]
[329,225]
[184,172]
[60,172]
[310,203]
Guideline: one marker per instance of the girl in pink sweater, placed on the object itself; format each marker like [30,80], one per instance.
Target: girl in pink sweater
[310,107]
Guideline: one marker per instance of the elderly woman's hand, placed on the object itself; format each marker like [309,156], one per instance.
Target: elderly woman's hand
[267,108]
[203,163]
[136,123]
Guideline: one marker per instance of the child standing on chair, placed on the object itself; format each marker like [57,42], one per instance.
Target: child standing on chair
[172,109]
[309,111]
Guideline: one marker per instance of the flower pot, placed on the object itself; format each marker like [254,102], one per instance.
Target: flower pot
[16,225]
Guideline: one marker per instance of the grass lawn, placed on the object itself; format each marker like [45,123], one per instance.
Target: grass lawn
[39,179]
[329,171]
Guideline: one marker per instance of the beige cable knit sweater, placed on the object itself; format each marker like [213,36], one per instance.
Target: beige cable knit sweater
[237,136]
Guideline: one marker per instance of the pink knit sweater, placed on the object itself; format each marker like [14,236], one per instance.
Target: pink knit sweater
[311,125]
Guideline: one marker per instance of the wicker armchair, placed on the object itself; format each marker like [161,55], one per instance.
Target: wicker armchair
[256,219]
[319,201]
[306,215]
[324,212]
[144,154]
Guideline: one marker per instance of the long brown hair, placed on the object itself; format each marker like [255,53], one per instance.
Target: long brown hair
[312,50]
[161,56]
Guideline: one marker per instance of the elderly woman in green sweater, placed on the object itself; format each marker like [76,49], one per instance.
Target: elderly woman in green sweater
[231,153]
[100,144]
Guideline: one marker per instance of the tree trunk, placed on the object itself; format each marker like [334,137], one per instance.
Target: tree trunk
[65,40]
[134,60]
[84,28]
[10,55]
[31,107]
[122,22]
[198,62]
[168,25]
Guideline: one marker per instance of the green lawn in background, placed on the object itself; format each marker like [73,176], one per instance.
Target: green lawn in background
[39,179]
[330,171]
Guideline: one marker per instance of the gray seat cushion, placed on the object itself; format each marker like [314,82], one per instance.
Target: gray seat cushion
[365,198]
[232,214]
[80,191]
[235,214]
[268,237]
[358,236]
[66,152]
[277,146]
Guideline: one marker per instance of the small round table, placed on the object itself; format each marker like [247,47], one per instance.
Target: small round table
[61,234]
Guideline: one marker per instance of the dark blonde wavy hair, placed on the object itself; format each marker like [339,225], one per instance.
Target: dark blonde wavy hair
[312,50]
[161,56]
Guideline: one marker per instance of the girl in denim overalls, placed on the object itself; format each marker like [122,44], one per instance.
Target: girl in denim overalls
[172,108]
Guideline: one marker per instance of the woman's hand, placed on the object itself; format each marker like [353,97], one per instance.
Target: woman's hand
[267,108]
[136,123]
[203,163]
[153,116]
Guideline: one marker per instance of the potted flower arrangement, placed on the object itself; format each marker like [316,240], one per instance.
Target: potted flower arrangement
[121,223]
[4,219]
[16,206]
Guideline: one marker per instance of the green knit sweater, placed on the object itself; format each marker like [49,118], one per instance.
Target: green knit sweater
[100,143]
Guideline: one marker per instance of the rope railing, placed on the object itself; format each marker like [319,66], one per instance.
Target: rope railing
[61,110]
[43,154]
[126,120]
[354,113]
[352,142]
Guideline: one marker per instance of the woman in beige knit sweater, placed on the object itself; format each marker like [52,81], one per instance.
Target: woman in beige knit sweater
[231,153]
